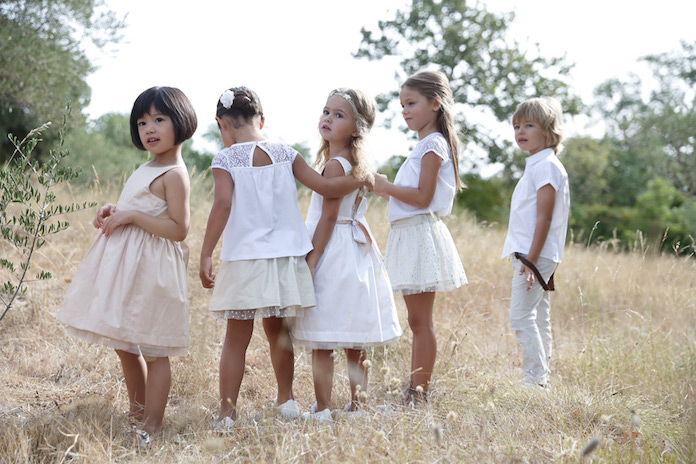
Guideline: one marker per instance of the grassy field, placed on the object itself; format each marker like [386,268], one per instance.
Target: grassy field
[625,351]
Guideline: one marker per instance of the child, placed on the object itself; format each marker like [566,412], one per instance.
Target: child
[129,292]
[421,257]
[536,231]
[263,272]
[355,305]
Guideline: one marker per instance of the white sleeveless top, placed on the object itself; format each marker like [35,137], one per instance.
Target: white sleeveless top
[265,220]
[409,176]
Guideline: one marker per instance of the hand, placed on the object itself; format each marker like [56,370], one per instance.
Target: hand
[529,277]
[311,261]
[206,272]
[103,213]
[369,182]
[381,183]
[116,220]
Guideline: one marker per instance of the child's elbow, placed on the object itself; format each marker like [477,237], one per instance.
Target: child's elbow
[180,234]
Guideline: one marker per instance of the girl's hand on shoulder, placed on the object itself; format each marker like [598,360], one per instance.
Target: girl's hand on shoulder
[103,213]
[381,183]
[206,272]
[369,181]
[116,220]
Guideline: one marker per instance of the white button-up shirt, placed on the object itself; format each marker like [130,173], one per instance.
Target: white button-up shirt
[542,168]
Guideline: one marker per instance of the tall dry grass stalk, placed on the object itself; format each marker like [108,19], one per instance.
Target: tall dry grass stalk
[625,339]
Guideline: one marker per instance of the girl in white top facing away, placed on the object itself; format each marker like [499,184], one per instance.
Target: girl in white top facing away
[355,304]
[263,272]
[536,232]
[421,257]
[129,292]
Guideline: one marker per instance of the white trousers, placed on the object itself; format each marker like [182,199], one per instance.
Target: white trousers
[530,319]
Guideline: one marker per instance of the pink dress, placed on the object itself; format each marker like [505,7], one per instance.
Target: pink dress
[129,292]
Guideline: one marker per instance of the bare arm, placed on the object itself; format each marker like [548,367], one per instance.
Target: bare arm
[219,214]
[328,188]
[329,213]
[546,200]
[420,196]
[175,226]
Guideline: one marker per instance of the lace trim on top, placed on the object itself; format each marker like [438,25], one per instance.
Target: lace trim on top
[435,143]
[240,155]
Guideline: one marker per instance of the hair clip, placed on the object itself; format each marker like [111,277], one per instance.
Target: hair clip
[227,99]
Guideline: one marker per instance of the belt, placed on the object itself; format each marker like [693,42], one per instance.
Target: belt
[359,234]
[547,286]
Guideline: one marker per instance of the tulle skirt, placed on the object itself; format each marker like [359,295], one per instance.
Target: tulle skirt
[421,256]
[259,288]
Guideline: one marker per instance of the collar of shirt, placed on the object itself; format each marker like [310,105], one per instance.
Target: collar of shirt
[536,157]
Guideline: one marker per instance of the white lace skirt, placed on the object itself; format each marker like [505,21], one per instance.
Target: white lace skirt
[259,288]
[421,256]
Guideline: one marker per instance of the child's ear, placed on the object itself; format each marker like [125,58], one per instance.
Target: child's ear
[436,105]
[262,122]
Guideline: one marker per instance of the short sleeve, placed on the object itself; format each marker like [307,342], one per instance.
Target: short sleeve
[435,143]
[547,173]
[220,161]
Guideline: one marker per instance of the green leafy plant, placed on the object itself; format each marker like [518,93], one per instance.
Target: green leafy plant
[28,209]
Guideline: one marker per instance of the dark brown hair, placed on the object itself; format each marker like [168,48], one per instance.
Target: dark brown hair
[244,106]
[169,101]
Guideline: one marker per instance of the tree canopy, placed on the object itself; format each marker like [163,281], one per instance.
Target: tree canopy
[486,70]
[42,63]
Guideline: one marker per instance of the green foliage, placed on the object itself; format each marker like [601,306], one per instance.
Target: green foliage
[486,71]
[586,161]
[654,135]
[488,199]
[27,208]
[391,167]
[42,66]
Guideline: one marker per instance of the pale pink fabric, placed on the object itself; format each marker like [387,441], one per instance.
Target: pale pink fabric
[129,292]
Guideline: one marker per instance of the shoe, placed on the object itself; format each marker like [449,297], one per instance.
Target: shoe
[224,425]
[289,409]
[141,440]
[347,413]
[321,416]
[530,385]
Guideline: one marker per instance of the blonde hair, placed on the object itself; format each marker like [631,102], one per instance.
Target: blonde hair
[364,111]
[547,112]
[434,85]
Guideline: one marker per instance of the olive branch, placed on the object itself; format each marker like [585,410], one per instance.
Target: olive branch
[27,203]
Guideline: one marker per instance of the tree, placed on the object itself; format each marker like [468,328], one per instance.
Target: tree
[28,209]
[655,135]
[486,71]
[41,63]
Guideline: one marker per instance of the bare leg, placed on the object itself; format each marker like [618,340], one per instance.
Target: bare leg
[323,370]
[135,376]
[357,375]
[424,350]
[282,355]
[232,361]
[159,380]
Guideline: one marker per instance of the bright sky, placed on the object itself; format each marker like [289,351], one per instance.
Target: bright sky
[293,53]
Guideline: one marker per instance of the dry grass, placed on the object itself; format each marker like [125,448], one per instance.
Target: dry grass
[625,339]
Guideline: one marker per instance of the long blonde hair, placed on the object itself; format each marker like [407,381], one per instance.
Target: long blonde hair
[434,85]
[364,111]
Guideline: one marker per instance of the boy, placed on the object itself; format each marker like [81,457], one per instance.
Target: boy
[536,232]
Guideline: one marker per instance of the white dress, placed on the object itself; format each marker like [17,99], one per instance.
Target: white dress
[354,300]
